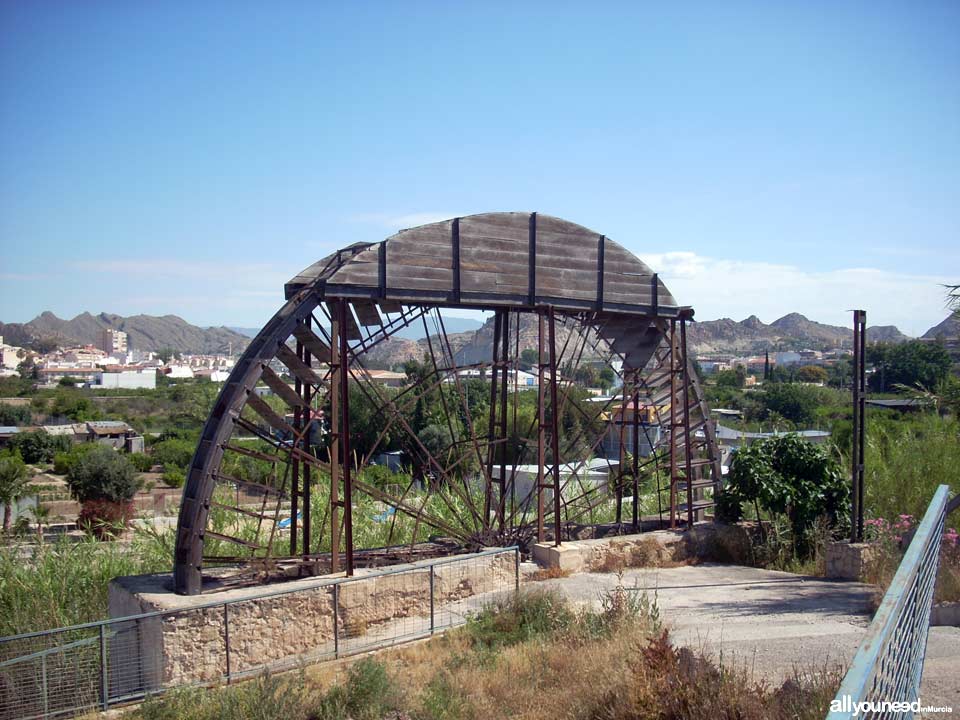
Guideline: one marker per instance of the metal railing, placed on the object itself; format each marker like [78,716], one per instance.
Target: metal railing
[885,673]
[61,672]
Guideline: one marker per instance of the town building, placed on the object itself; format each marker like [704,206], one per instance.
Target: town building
[113,342]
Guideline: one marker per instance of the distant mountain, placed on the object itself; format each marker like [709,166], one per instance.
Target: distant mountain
[791,332]
[145,332]
[246,332]
[948,329]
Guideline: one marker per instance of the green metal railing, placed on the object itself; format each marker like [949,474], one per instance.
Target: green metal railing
[884,679]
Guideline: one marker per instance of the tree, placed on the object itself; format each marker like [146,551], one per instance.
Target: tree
[736,378]
[812,374]
[788,475]
[104,482]
[40,446]
[797,403]
[14,479]
[103,474]
[14,414]
[73,405]
[915,364]
[67,381]
[528,358]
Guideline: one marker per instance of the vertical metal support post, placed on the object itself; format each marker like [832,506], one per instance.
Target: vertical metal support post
[492,420]
[673,424]
[636,451]
[336,369]
[687,449]
[433,620]
[621,454]
[295,462]
[307,424]
[43,685]
[554,427]
[104,680]
[859,435]
[541,425]
[226,637]
[516,569]
[504,381]
[345,435]
[336,620]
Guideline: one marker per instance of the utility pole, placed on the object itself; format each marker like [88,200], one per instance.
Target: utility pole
[856,454]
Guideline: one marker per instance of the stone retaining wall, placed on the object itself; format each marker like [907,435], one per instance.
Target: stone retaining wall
[188,645]
[709,541]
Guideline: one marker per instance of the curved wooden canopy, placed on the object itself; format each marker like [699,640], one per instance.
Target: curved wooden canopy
[504,258]
[517,261]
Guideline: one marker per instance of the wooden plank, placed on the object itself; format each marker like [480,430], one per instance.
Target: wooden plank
[438,232]
[366,313]
[314,345]
[363,274]
[389,307]
[280,388]
[297,367]
[473,281]
[267,413]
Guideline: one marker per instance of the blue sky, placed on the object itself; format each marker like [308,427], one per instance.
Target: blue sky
[188,157]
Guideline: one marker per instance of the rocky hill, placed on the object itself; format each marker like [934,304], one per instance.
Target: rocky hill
[791,332]
[145,332]
[947,330]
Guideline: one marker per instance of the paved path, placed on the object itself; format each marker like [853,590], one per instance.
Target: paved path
[771,623]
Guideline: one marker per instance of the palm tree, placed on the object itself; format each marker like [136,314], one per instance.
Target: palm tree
[14,479]
[41,515]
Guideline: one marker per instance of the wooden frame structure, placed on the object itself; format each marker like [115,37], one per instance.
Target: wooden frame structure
[520,266]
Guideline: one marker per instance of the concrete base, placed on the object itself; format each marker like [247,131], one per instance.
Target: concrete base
[662,548]
[849,561]
[945,614]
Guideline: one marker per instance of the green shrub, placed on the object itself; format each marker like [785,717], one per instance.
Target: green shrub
[729,508]
[141,461]
[63,461]
[787,475]
[40,446]
[519,618]
[103,474]
[173,476]
[175,451]
[14,414]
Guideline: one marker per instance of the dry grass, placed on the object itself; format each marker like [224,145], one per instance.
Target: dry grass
[548,573]
[534,658]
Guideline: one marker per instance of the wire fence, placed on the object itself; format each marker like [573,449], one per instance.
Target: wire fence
[58,673]
[884,679]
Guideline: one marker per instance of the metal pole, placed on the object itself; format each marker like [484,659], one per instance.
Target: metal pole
[504,355]
[104,683]
[516,569]
[541,427]
[295,463]
[345,436]
[688,464]
[855,438]
[555,428]
[43,686]
[306,421]
[433,622]
[226,637]
[636,450]
[863,419]
[336,620]
[673,424]
[336,368]
[492,420]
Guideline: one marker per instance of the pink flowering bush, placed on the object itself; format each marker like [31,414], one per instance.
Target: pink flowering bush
[888,539]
